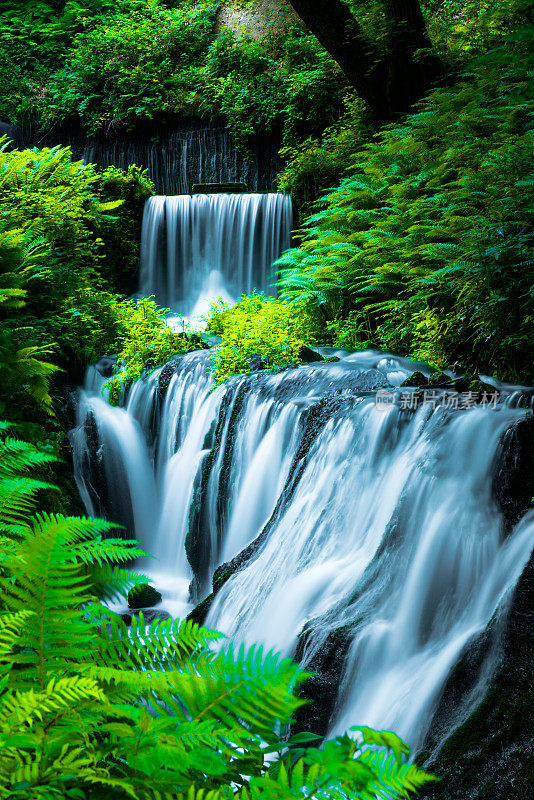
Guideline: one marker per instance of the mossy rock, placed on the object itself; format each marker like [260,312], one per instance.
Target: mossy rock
[309,356]
[143,596]
[415,380]
[480,387]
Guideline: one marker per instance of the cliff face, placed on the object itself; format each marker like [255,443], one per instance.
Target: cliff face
[259,20]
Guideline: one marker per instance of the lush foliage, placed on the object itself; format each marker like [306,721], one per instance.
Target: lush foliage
[260,330]
[114,63]
[89,708]
[428,244]
[61,245]
[316,165]
[460,29]
[143,340]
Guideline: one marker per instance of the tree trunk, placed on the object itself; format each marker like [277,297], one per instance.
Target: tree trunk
[388,84]
[412,66]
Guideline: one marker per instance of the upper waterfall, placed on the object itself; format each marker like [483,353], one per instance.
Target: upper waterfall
[198,247]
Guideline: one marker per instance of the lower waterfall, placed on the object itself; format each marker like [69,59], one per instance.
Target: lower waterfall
[339,511]
[195,248]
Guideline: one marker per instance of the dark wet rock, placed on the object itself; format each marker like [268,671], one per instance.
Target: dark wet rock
[491,755]
[149,615]
[218,188]
[198,542]
[417,379]
[106,366]
[513,481]
[370,380]
[480,387]
[309,356]
[322,687]
[440,379]
[96,478]
[165,378]
[255,362]
[143,596]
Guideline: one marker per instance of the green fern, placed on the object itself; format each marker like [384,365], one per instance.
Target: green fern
[90,707]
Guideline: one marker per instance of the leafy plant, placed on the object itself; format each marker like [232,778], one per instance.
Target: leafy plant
[428,244]
[260,329]
[88,707]
[53,215]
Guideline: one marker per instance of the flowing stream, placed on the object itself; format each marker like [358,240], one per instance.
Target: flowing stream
[338,507]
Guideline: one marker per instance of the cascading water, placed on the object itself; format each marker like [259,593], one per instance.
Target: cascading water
[362,516]
[195,248]
[178,157]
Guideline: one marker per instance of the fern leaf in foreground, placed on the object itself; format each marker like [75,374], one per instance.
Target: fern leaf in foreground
[91,709]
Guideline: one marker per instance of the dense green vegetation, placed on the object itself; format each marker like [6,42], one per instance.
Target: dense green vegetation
[426,246]
[89,708]
[106,65]
[259,330]
[69,236]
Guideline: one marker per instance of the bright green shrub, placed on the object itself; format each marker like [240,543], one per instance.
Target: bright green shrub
[120,231]
[90,709]
[430,241]
[53,215]
[144,342]
[258,326]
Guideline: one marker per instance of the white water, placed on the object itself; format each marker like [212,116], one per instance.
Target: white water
[386,523]
[196,248]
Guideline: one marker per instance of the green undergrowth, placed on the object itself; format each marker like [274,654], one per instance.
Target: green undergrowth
[143,341]
[91,709]
[62,252]
[426,248]
[258,330]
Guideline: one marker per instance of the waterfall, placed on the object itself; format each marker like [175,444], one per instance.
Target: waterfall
[195,248]
[178,155]
[339,513]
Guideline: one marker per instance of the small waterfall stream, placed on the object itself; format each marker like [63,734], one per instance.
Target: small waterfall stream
[177,155]
[195,248]
[356,515]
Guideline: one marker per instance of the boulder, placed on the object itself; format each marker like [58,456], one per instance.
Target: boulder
[106,366]
[308,356]
[143,596]
[415,380]
[255,362]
